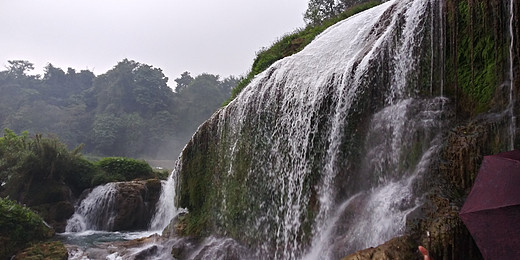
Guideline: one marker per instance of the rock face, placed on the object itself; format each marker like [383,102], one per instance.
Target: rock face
[230,169]
[52,200]
[395,249]
[478,83]
[135,204]
[116,206]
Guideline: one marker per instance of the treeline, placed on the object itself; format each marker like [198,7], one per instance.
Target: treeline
[128,111]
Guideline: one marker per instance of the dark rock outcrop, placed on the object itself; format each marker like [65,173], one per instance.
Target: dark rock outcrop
[135,204]
[52,200]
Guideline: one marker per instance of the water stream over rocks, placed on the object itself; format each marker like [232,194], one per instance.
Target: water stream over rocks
[322,154]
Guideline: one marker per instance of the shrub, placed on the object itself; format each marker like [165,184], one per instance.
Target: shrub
[81,174]
[18,227]
[122,169]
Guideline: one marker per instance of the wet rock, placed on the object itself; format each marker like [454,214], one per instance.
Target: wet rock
[135,204]
[395,249]
[52,200]
[146,253]
[49,250]
[56,214]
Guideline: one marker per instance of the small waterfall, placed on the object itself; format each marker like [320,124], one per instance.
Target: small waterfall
[95,212]
[165,209]
[512,128]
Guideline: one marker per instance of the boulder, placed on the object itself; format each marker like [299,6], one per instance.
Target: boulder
[400,248]
[45,250]
[135,204]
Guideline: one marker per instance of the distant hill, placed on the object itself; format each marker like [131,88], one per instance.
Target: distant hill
[127,111]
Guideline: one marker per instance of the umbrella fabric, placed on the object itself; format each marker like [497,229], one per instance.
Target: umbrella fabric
[492,209]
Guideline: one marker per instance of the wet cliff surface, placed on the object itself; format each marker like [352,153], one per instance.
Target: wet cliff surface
[376,130]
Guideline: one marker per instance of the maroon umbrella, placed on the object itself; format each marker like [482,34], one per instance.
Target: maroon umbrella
[492,210]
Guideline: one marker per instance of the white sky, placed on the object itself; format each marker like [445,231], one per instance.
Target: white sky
[213,36]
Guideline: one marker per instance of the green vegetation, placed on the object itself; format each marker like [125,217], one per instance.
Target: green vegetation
[128,111]
[204,186]
[30,161]
[121,169]
[18,227]
[43,174]
[476,57]
[293,43]
[322,10]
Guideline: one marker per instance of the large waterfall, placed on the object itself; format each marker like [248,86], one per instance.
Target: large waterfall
[324,153]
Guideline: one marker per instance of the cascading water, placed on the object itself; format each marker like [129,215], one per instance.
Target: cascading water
[165,209]
[95,212]
[321,154]
[88,232]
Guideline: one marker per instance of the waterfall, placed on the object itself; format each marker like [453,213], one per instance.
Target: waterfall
[322,154]
[165,209]
[95,212]
[512,128]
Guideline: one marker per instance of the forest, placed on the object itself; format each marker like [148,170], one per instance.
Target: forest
[131,110]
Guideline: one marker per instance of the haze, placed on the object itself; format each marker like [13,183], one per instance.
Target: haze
[217,37]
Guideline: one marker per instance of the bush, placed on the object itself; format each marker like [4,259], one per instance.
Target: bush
[121,169]
[81,174]
[18,227]
[41,161]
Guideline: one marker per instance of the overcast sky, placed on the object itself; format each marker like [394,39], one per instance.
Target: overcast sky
[213,36]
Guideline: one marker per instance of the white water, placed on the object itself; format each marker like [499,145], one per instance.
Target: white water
[86,233]
[95,212]
[165,209]
[302,105]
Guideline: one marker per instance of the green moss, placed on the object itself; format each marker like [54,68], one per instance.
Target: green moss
[197,185]
[238,207]
[476,56]
[42,251]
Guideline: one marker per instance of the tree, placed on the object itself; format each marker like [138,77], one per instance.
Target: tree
[184,81]
[320,10]
[105,133]
[18,68]
[151,91]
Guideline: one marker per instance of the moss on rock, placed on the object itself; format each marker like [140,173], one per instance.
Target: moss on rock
[44,251]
